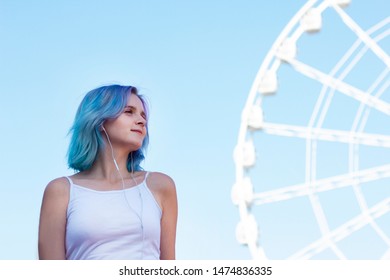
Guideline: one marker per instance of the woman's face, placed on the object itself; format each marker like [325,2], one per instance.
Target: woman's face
[129,129]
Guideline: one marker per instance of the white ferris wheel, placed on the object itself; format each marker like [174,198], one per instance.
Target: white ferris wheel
[312,158]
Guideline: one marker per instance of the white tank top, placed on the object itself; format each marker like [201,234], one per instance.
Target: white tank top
[102,225]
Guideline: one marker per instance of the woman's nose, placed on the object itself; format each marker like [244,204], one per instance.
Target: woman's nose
[141,121]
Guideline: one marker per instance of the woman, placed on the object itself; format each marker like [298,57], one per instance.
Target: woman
[111,208]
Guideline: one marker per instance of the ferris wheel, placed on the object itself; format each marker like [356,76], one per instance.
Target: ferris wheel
[312,156]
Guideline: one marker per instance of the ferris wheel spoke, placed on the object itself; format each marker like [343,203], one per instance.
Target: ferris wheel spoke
[347,68]
[339,85]
[344,230]
[360,119]
[323,134]
[322,185]
[363,35]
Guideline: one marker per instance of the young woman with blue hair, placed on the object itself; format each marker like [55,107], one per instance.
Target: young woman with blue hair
[111,208]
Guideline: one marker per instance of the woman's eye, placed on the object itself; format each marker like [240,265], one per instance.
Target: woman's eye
[129,111]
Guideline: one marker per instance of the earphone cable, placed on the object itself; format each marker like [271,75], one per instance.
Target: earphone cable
[123,189]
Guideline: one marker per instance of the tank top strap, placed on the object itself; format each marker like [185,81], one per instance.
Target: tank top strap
[69,180]
[146,176]
[70,187]
[150,194]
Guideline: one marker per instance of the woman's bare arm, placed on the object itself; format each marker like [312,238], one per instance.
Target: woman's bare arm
[52,224]
[165,190]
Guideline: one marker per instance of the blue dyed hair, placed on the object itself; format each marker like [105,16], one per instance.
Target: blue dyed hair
[99,105]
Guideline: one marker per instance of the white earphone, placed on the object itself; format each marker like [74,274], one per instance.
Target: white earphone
[112,150]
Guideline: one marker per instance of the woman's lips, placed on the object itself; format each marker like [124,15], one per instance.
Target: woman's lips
[137,131]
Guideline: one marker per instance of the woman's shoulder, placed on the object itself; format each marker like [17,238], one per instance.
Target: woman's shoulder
[164,189]
[160,181]
[58,187]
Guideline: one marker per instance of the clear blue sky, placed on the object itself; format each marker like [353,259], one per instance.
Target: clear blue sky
[194,60]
